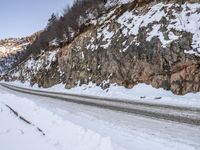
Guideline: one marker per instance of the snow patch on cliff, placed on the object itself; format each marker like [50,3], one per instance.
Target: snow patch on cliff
[133,22]
[187,19]
[107,37]
[45,61]
[115,2]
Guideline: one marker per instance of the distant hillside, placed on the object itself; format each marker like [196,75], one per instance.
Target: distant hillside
[13,51]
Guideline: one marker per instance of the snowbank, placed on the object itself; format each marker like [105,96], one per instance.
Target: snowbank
[15,134]
[59,134]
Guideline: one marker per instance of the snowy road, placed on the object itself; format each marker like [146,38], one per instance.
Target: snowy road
[189,115]
[124,130]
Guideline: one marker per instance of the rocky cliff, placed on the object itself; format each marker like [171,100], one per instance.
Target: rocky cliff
[143,41]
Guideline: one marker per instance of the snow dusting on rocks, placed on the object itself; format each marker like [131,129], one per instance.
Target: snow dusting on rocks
[183,18]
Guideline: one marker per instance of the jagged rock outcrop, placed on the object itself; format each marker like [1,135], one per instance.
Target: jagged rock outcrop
[137,46]
[141,41]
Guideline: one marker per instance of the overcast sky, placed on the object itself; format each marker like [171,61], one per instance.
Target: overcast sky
[20,18]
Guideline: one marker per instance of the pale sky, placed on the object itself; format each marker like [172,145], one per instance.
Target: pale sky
[20,18]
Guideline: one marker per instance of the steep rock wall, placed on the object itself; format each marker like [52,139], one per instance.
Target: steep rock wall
[146,44]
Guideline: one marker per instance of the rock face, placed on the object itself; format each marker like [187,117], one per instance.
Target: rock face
[156,43]
[138,46]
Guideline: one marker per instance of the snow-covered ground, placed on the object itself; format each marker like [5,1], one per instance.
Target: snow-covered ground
[59,133]
[140,92]
[15,134]
[77,127]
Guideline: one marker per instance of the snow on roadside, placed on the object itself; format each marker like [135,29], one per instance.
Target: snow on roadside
[59,134]
[15,134]
[140,92]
